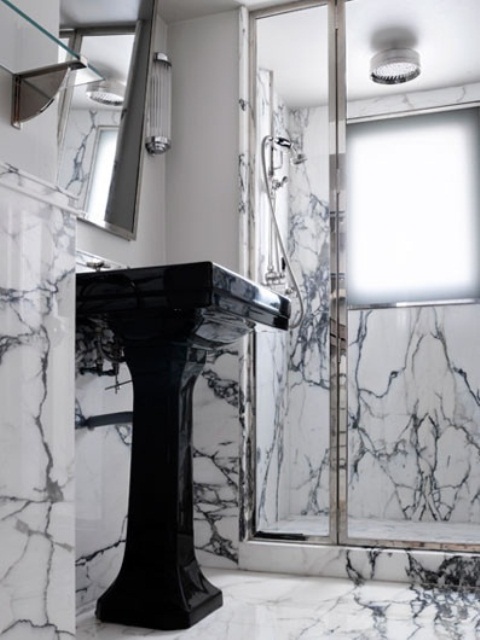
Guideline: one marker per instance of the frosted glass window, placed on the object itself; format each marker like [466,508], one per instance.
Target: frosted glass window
[413,208]
[102,169]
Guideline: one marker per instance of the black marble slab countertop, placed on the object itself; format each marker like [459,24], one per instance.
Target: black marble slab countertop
[170,289]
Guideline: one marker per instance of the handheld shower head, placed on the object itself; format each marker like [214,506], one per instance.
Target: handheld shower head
[282,143]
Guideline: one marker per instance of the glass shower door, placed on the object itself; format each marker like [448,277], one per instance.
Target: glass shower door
[413,429]
[292,372]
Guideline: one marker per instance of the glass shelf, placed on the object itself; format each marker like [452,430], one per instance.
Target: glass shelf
[40,63]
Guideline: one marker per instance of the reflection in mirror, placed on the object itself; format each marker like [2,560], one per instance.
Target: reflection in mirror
[292,184]
[91,127]
[101,131]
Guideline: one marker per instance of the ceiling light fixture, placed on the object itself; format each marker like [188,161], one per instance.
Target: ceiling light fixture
[395,66]
[108,92]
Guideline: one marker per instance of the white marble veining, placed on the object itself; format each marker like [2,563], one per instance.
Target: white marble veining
[36,447]
[102,462]
[279,607]
[414,411]
[308,412]
[217,405]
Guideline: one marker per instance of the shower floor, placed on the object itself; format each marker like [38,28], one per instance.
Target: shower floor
[279,607]
[369,529]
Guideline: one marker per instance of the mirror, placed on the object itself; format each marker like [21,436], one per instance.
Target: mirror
[101,126]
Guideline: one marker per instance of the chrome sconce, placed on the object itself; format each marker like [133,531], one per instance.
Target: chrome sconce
[158,136]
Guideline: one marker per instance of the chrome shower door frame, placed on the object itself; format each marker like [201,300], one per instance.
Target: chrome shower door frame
[336,110]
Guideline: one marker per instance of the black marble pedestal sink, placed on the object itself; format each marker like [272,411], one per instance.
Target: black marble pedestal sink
[167,319]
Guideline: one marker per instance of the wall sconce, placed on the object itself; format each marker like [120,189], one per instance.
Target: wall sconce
[158,138]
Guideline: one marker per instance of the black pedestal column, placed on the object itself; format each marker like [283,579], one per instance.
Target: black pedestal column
[160,584]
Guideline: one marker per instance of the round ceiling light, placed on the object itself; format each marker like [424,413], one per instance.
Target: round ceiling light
[108,92]
[395,66]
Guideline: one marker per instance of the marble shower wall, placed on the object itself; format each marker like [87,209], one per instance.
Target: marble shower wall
[37,237]
[414,414]
[292,371]
[272,459]
[308,409]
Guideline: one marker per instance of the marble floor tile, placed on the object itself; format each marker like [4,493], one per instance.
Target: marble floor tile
[278,607]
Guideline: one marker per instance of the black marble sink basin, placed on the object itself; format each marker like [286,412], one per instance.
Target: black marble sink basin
[203,299]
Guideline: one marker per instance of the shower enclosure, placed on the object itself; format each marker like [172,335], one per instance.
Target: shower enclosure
[366,426]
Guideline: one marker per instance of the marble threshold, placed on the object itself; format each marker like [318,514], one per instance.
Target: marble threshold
[263,606]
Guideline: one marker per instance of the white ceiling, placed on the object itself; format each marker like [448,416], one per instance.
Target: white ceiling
[92,12]
[444,32]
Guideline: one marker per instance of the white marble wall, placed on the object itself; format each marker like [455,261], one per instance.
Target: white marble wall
[218,405]
[102,463]
[36,440]
[414,414]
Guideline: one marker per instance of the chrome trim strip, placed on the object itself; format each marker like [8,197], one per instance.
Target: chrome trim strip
[406,305]
[338,311]
[334,268]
